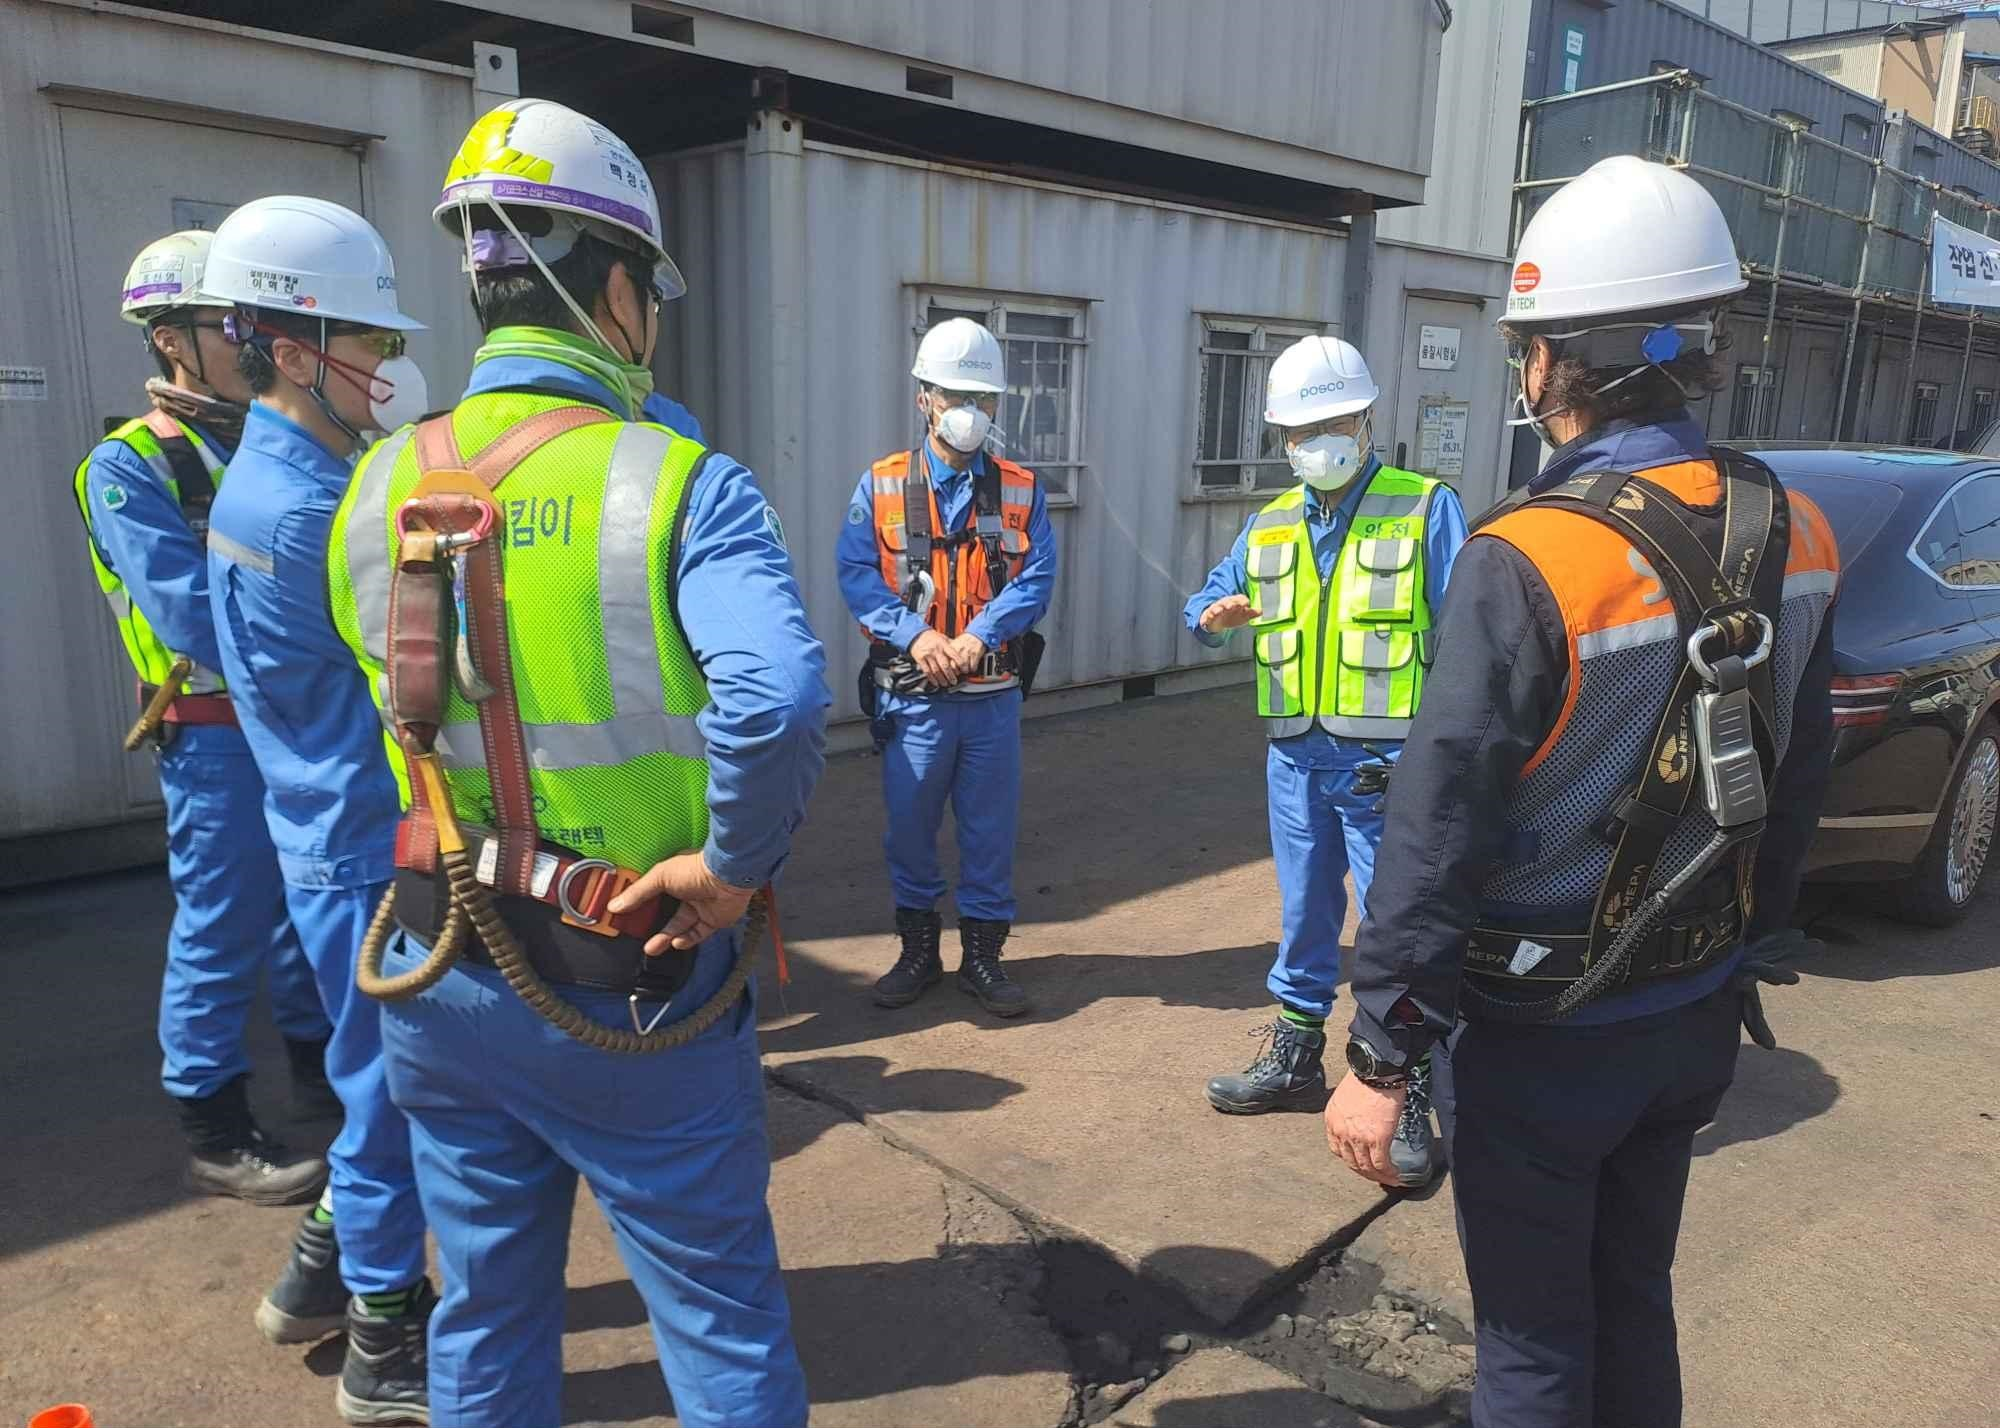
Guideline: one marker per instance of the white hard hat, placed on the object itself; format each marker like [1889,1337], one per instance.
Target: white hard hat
[535,153]
[1624,236]
[1317,378]
[166,274]
[305,256]
[960,355]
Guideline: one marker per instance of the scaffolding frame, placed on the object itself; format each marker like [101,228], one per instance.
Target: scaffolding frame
[1824,232]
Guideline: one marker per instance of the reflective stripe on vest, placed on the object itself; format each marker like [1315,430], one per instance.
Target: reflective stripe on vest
[1625,651]
[149,654]
[609,690]
[964,587]
[1347,651]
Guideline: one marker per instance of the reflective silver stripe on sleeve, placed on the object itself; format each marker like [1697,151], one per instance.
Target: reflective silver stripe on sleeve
[624,590]
[368,545]
[553,747]
[1376,505]
[236,554]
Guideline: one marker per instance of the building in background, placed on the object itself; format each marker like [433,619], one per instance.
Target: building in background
[1829,190]
[1145,201]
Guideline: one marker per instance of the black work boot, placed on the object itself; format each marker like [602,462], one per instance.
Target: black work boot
[1286,1076]
[385,1378]
[233,1157]
[919,968]
[308,1301]
[979,971]
[312,1094]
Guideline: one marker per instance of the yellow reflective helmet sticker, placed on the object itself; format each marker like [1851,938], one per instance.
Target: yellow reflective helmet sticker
[486,151]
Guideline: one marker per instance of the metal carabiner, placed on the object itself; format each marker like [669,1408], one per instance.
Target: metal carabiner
[562,891]
[645,1029]
[1711,630]
[452,540]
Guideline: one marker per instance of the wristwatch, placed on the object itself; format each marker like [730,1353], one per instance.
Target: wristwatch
[1372,1070]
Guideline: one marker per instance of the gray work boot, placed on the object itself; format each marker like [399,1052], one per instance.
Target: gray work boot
[308,1302]
[979,971]
[1414,1150]
[1286,1076]
[920,967]
[231,1156]
[386,1376]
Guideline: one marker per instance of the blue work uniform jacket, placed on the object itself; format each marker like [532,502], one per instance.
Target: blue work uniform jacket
[1491,699]
[1444,533]
[141,534]
[329,796]
[881,612]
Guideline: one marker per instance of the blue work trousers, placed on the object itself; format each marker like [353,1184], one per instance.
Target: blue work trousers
[505,1113]
[375,1208]
[967,750]
[230,924]
[1320,830]
[1570,1148]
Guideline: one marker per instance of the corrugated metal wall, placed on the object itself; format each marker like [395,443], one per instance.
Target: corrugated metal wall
[1626,42]
[68,684]
[1466,200]
[1286,70]
[1137,542]
[1768,20]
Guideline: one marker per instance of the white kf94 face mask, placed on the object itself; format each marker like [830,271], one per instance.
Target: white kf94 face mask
[964,428]
[409,395]
[1326,462]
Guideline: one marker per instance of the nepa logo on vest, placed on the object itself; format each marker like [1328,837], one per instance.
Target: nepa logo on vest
[1321,390]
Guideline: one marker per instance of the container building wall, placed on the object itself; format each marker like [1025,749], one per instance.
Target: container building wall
[116,127]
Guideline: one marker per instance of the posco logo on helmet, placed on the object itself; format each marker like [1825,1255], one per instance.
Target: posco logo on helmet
[384,283]
[976,363]
[1321,390]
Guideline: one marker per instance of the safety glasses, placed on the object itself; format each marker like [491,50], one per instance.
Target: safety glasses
[383,344]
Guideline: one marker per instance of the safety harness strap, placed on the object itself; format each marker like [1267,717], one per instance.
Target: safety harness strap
[1746,579]
[422,626]
[917,524]
[197,487]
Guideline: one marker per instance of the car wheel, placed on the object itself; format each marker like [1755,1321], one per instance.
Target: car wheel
[1940,889]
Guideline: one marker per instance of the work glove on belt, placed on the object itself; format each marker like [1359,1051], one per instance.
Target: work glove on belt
[1764,964]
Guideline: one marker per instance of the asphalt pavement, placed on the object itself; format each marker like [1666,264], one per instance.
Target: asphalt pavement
[1041,1222]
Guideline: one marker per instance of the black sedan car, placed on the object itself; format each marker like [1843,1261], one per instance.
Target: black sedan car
[1915,792]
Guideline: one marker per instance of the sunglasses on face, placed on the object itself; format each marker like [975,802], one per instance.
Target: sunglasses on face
[383,344]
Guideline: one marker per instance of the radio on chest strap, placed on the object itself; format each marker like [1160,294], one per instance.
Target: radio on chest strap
[1718,723]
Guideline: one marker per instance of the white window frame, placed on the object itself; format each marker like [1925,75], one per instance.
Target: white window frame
[1921,392]
[1061,480]
[1268,337]
[1772,377]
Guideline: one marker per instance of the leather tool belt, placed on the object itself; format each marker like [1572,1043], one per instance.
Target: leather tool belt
[191,708]
[562,921]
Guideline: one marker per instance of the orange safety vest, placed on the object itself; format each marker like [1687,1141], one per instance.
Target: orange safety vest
[967,568]
[1626,649]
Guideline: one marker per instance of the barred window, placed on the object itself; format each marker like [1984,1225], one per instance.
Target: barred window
[1236,452]
[1041,416]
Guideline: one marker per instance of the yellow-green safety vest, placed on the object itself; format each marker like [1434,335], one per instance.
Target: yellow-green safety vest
[150,655]
[1349,650]
[607,685]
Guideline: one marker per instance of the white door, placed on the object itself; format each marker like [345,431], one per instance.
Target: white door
[129,181]
[1435,393]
